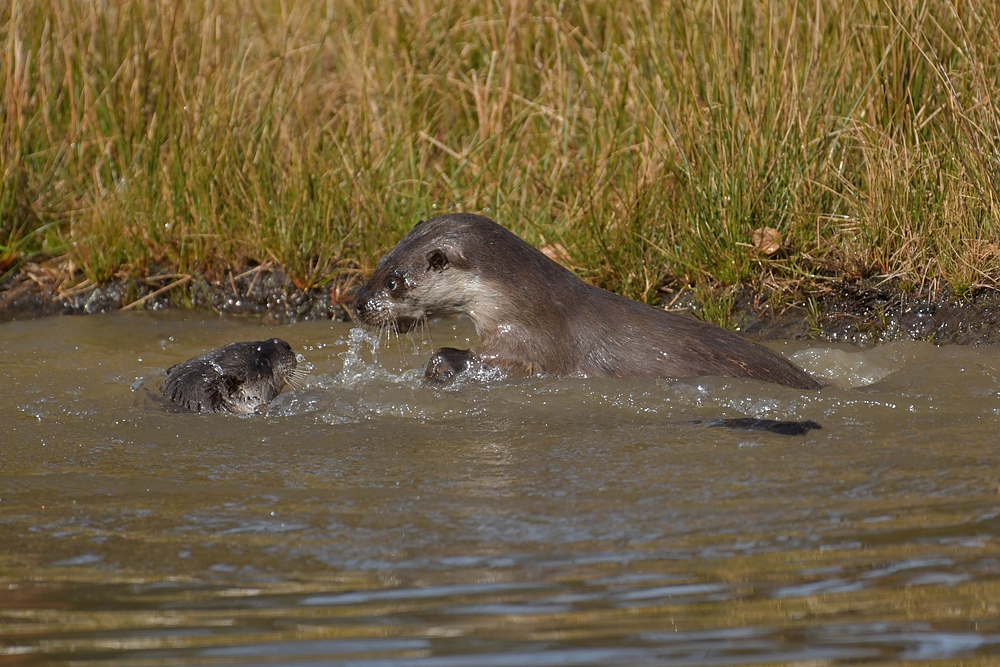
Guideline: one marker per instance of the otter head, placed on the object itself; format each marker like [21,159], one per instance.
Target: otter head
[429,273]
[283,362]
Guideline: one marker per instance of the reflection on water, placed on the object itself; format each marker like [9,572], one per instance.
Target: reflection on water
[370,520]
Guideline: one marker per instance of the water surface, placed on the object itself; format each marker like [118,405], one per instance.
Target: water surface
[370,520]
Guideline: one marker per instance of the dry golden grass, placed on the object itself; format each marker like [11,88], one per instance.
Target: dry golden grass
[648,139]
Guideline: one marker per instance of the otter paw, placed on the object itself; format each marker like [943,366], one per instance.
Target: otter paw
[447,363]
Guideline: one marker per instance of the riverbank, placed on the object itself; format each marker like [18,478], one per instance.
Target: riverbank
[858,313]
[38,291]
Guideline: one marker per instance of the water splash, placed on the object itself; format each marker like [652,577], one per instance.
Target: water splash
[359,359]
[856,368]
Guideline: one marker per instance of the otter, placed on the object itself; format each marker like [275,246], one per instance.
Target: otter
[240,378]
[534,316]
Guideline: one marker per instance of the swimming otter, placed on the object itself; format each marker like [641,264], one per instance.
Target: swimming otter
[534,316]
[239,377]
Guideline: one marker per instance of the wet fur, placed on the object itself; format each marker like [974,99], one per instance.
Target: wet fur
[534,316]
[240,377]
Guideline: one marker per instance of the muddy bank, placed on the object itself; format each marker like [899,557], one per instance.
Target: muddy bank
[867,314]
[858,313]
[36,291]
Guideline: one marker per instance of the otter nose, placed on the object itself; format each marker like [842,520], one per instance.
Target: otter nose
[362,301]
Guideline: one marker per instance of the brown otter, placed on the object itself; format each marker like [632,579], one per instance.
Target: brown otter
[239,377]
[534,316]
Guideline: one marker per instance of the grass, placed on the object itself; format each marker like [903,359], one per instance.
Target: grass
[649,139]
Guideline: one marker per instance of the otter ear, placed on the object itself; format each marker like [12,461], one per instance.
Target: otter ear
[437,260]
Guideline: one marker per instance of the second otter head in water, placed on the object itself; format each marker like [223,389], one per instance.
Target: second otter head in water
[240,378]
[534,316]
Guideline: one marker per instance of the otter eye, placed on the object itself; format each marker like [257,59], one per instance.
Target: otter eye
[395,285]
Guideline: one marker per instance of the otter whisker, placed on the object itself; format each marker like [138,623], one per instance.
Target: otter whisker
[297,378]
[393,336]
[386,331]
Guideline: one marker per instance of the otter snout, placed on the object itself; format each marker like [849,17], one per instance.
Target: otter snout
[363,304]
[375,308]
[371,308]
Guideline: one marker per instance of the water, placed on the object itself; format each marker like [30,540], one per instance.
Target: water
[370,520]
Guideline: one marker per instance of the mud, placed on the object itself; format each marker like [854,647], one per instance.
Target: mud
[861,313]
[268,293]
[866,315]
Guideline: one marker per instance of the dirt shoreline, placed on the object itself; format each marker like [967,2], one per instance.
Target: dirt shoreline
[35,291]
[857,313]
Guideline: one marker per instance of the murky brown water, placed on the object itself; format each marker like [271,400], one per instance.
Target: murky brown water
[369,520]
